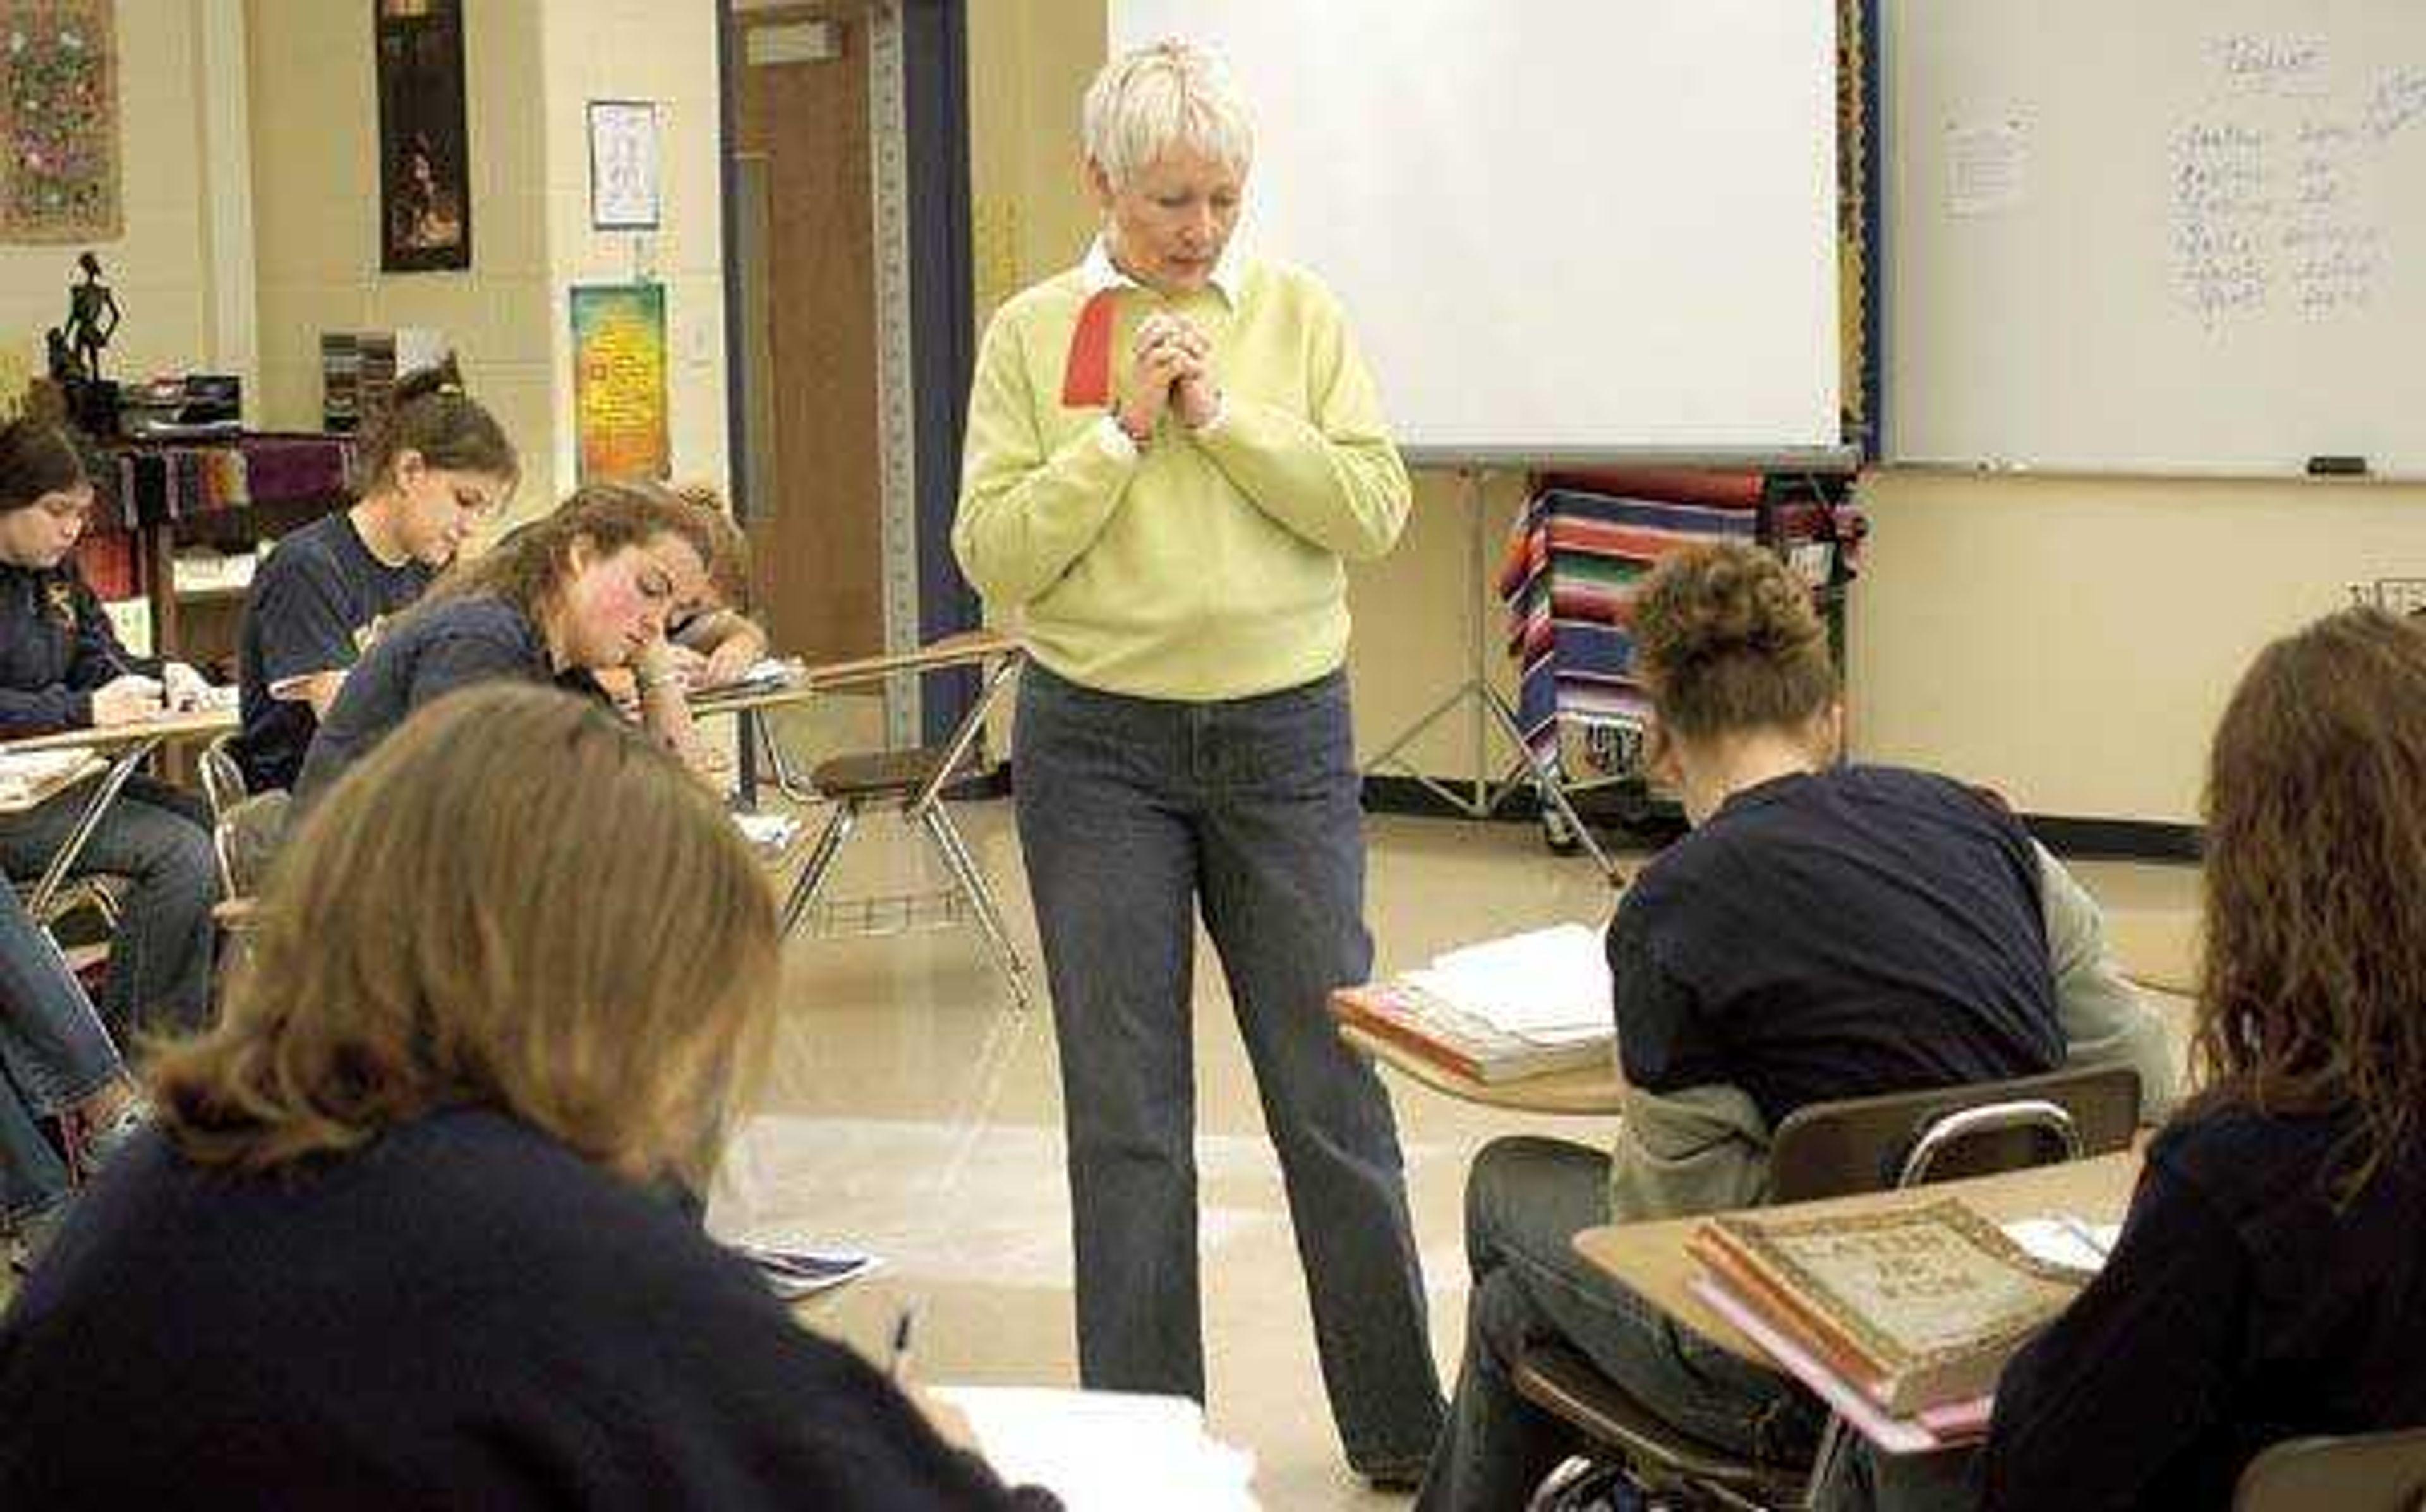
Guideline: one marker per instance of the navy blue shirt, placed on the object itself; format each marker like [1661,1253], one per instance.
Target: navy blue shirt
[317,601]
[55,647]
[432,651]
[463,1313]
[1836,934]
[2240,1309]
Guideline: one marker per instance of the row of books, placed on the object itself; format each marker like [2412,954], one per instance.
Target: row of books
[1901,1321]
[359,370]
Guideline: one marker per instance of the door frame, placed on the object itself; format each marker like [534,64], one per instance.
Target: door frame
[926,325]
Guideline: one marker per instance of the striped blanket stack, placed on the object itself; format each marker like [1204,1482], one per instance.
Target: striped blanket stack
[1567,580]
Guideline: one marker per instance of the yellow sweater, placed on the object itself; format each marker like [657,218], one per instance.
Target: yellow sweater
[1207,567]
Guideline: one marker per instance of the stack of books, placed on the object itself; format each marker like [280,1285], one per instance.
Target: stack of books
[359,370]
[1526,1005]
[1901,1320]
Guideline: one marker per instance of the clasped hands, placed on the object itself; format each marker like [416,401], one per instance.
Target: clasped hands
[1173,362]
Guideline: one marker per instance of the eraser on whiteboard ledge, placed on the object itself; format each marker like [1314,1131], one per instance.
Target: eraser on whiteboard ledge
[2337,467]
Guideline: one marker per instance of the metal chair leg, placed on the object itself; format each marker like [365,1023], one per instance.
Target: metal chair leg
[813,876]
[972,884]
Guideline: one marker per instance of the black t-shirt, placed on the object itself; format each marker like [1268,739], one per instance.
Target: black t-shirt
[463,1313]
[2239,1309]
[1835,934]
[434,649]
[315,603]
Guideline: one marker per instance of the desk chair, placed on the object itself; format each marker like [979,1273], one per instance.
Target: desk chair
[2365,1472]
[912,781]
[245,829]
[1868,1144]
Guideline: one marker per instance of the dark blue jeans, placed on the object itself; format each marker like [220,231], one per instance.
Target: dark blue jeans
[1134,813]
[54,1055]
[160,958]
[1526,1200]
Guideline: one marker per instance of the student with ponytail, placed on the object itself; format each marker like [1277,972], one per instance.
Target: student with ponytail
[435,468]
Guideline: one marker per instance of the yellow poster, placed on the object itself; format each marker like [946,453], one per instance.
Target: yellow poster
[619,380]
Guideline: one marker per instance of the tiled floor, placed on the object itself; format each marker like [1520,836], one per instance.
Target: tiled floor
[911,1111]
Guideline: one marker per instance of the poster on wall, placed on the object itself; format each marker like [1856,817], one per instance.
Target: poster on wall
[619,380]
[59,118]
[425,178]
[624,168]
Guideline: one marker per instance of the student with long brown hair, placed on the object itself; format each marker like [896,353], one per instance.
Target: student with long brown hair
[393,1242]
[583,589]
[2271,1280]
[436,465]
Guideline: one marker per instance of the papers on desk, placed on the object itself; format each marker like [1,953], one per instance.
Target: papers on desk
[2061,1239]
[1105,1451]
[762,676]
[28,776]
[792,1273]
[1548,986]
[769,834]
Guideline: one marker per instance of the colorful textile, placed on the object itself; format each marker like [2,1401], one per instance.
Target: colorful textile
[58,120]
[1568,581]
[150,485]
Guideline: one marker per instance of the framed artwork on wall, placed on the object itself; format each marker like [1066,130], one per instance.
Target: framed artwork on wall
[425,177]
[59,121]
[623,167]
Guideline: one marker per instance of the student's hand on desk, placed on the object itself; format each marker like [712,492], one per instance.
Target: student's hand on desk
[686,667]
[731,661]
[181,687]
[122,700]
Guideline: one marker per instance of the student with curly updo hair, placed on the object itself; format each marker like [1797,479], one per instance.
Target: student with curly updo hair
[1825,931]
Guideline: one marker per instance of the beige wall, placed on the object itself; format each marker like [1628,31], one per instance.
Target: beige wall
[177,163]
[531,66]
[639,50]
[315,207]
[1030,61]
[2072,640]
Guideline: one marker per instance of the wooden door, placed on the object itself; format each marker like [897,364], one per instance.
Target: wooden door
[801,73]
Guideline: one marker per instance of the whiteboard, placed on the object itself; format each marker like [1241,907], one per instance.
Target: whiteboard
[1560,227]
[2172,236]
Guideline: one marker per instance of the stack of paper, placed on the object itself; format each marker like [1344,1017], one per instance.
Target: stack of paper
[1105,1451]
[1548,986]
[26,775]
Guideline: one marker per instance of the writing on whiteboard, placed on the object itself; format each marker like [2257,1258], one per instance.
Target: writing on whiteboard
[2273,197]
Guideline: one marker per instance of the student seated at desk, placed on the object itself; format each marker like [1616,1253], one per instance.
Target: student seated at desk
[438,464]
[714,640]
[1825,932]
[579,591]
[58,1068]
[2271,1280]
[61,667]
[393,1243]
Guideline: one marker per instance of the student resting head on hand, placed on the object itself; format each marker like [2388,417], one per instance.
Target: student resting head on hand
[584,589]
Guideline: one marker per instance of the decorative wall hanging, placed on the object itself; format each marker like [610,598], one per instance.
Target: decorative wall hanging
[58,118]
[424,179]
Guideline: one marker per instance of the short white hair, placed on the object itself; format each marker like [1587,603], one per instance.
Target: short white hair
[1171,95]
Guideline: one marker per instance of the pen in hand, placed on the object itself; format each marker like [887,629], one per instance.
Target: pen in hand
[899,1365]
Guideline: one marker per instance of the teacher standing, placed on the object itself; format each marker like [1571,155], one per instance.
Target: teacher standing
[1171,450]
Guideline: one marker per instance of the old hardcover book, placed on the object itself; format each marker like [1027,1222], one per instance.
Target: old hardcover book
[1917,1307]
[1462,1042]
